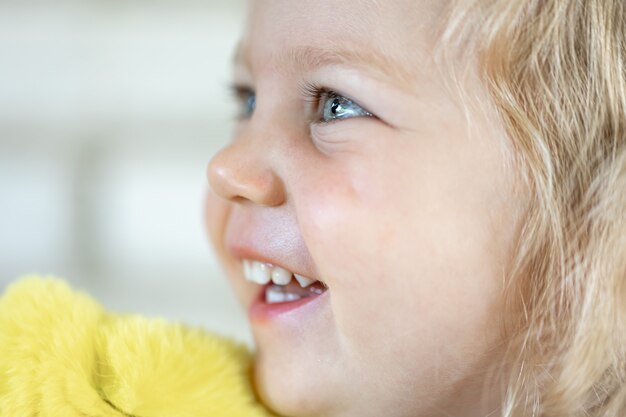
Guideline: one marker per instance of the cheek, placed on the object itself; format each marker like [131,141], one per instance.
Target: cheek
[353,239]
[408,253]
[332,223]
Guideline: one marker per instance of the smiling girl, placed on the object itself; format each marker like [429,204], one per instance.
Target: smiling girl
[423,206]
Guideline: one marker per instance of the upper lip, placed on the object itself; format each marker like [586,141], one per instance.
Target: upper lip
[280,245]
[252,252]
[270,236]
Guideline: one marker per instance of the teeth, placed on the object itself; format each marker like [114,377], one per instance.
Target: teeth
[262,273]
[275,295]
[247,270]
[259,272]
[281,276]
[303,281]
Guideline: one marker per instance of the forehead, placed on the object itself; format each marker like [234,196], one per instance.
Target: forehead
[371,18]
[394,35]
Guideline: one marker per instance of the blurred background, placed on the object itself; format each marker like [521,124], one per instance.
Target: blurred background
[109,113]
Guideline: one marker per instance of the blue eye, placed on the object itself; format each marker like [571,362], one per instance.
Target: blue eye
[330,105]
[336,107]
[246,99]
[250,105]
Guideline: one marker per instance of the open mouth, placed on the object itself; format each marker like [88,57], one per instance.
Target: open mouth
[279,284]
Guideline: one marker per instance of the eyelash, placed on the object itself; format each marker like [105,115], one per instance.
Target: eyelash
[240,91]
[312,94]
[242,94]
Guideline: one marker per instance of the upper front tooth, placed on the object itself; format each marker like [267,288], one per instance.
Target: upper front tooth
[303,281]
[247,270]
[260,272]
[280,276]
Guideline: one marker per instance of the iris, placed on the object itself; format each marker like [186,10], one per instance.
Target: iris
[336,107]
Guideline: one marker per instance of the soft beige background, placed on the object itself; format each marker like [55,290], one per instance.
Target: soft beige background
[109,113]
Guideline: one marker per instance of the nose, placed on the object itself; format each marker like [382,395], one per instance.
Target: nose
[242,172]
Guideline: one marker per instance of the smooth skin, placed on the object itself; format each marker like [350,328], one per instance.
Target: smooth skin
[409,216]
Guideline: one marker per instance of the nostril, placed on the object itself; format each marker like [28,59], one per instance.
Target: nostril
[239,199]
[271,191]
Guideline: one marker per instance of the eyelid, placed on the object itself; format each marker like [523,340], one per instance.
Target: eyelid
[241,93]
[313,93]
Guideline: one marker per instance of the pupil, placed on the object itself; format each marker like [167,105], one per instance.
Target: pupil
[334,106]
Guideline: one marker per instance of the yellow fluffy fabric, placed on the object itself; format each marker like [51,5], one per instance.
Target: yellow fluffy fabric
[62,355]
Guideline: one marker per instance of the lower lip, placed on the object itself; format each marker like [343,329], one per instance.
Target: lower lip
[261,311]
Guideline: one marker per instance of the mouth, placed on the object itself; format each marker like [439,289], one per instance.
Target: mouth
[280,290]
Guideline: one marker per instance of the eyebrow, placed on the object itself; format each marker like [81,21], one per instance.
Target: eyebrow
[306,58]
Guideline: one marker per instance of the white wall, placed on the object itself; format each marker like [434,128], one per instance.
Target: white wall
[109,113]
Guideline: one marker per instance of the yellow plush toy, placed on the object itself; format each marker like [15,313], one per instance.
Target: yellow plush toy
[61,355]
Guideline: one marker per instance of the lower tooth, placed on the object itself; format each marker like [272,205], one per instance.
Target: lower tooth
[274,295]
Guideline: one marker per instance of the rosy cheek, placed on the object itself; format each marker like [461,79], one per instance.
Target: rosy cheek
[336,228]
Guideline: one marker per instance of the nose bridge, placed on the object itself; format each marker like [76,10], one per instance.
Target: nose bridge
[246,170]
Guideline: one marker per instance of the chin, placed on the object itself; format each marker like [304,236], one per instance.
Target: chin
[290,386]
[278,389]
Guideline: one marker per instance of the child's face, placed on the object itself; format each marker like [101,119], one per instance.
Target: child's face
[408,216]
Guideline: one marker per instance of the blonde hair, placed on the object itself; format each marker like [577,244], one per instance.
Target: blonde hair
[556,71]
